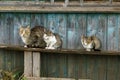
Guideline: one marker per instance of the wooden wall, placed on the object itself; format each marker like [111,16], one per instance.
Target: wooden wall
[70,27]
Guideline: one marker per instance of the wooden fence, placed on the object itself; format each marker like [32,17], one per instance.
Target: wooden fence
[42,64]
[70,27]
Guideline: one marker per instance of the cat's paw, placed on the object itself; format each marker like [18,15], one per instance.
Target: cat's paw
[46,47]
[88,49]
[25,46]
[51,48]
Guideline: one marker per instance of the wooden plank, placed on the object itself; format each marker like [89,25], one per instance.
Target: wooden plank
[52,62]
[110,1]
[6,39]
[2,16]
[92,22]
[28,64]
[112,68]
[71,33]
[90,66]
[82,66]
[100,68]
[118,68]
[81,2]
[40,3]
[118,16]
[35,19]
[71,66]
[48,78]
[52,1]
[112,43]
[44,65]
[62,70]
[36,64]
[63,51]
[38,9]
[66,3]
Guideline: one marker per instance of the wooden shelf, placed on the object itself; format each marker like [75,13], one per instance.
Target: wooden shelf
[63,51]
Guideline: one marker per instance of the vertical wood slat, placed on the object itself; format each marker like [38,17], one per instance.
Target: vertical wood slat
[31,64]
[28,71]
[112,33]
[52,1]
[66,3]
[81,2]
[36,64]
[110,1]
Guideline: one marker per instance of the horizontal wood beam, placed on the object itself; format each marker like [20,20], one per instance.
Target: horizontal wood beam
[58,7]
[39,3]
[50,78]
[62,51]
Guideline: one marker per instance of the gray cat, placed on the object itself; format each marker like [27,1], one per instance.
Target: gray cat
[33,37]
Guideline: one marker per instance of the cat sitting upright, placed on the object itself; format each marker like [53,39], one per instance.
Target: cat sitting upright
[52,40]
[32,37]
[90,43]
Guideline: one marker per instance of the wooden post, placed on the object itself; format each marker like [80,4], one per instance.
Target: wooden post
[28,72]
[32,65]
[36,64]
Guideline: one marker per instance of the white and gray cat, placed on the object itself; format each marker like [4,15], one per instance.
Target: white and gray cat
[52,40]
[91,43]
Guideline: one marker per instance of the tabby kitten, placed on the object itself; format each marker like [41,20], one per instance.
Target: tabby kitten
[52,40]
[32,37]
[90,43]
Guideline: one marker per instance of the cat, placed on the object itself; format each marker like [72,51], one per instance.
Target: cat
[53,40]
[32,37]
[91,43]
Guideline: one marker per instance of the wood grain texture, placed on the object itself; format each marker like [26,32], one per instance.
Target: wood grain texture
[62,28]
[112,43]
[112,68]
[62,65]
[71,33]
[49,78]
[72,61]
[100,68]
[36,64]
[28,64]
[81,28]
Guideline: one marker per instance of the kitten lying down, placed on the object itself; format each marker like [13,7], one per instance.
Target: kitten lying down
[90,43]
